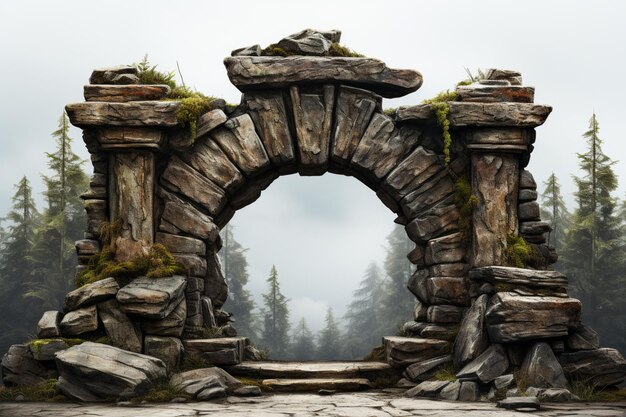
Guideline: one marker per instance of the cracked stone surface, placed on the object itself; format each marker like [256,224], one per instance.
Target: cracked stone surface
[371,404]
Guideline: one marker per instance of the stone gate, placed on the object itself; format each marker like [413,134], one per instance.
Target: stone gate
[465,200]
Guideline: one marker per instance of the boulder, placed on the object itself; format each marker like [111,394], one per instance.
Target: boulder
[171,325]
[583,338]
[403,351]
[104,371]
[45,349]
[451,391]
[511,317]
[168,349]
[599,367]
[472,339]
[425,370]
[201,373]
[429,389]
[79,321]
[107,75]
[153,298]
[256,73]
[504,382]
[526,195]
[206,383]
[248,391]
[469,391]
[492,363]
[91,294]
[309,42]
[120,329]
[541,369]
[20,368]
[48,325]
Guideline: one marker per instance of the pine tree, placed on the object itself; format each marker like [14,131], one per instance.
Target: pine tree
[240,302]
[18,318]
[303,347]
[363,327]
[554,210]
[593,253]
[275,335]
[397,302]
[63,223]
[329,345]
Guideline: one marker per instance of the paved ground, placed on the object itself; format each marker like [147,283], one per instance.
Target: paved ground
[370,404]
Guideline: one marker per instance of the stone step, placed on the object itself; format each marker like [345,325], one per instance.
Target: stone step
[313,370]
[316,384]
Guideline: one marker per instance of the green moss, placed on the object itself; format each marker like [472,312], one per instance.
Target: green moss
[391,112]
[162,392]
[504,287]
[472,78]
[440,106]
[446,373]
[256,382]
[519,252]
[336,49]
[191,108]
[376,355]
[274,50]
[466,202]
[46,391]
[37,344]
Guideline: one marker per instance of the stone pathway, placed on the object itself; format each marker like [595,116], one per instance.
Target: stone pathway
[370,404]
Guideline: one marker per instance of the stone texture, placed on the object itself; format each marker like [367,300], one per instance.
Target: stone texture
[106,371]
[541,369]
[108,74]
[48,325]
[425,370]
[445,250]
[215,286]
[240,142]
[447,290]
[194,265]
[208,317]
[254,50]
[313,115]
[249,73]
[520,276]
[211,161]
[354,111]
[445,314]
[382,147]
[555,395]
[314,370]
[168,349]
[489,365]
[248,391]
[404,351]
[125,93]
[472,339]
[600,367]
[534,228]
[181,244]
[413,172]
[514,318]
[529,211]
[526,195]
[44,350]
[467,114]
[209,121]
[79,321]
[120,329]
[183,179]
[583,338]
[150,297]
[309,42]
[179,216]
[427,389]
[479,93]
[433,223]
[520,403]
[527,181]
[269,114]
[220,351]
[420,311]
[137,114]
[308,385]
[495,187]
[19,368]
[513,77]
[90,294]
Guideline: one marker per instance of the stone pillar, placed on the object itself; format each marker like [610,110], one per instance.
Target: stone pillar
[495,170]
[131,185]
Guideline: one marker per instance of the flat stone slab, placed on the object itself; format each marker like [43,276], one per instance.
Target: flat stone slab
[264,72]
[464,114]
[303,370]
[370,403]
[125,93]
[403,351]
[316,384]
[91,294]
[136,113]
[522,276]
[153,298]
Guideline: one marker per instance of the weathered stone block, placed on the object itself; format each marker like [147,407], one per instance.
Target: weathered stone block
[209,160]
[447,290]
[150,297]
[79,321]
[403,351]
[125,93]
[433,223]
[472,339]
[413,172]
[108,74]
[601,367]
[181,244]
[91,294]
[168,349]
[529,211]
[425,370]
[19,368]
[489,365]
[541,369]
[48,325]
[445,314]
[184,217]
[120,329]
[194,264]
[445,250]
[171,325]
[133,114]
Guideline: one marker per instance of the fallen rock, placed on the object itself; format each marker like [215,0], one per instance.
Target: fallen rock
[472,339]
[48,325]
[601,367]
[492,363]
[202,373]
[205,388]
[120,329]
[153,298]
[79,321]
[251,391]
[255,73]
[107,75]
[104,371]
[19,367]
[403,351]
[583,338]
[504,382]
[308,42]
[429,389]
[541,369]
[90,294]
[556,395]
[469,391]
[451,391]
[168,349]
[425,370]
[511,317]
[520,403]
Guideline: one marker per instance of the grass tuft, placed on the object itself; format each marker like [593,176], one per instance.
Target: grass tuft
[446,373]
[46,391]
[162,392]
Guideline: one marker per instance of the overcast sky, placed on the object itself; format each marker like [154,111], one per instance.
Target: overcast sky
[320,232]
